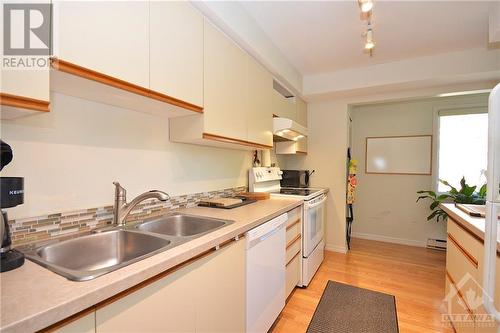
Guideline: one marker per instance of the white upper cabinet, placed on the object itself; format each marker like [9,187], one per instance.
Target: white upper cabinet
[224,81]
[283,107]
[176,50]
[238,99]
[24,89]
[26,83]
[259,104]
[110,37]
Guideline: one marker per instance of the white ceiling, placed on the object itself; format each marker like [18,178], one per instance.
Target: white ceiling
[325,36]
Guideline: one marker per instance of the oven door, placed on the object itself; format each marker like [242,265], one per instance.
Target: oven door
[314,223]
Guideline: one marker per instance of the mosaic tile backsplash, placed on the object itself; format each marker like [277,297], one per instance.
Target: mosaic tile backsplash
[32,229]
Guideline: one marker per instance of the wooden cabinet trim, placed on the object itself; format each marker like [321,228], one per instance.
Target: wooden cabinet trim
[294,256]
[225,139]
[459,293]
[139,286]
[301,152]
[24,102]
[86,73]
[466,254]
[60,324]
[464,228]
[293,224]
[291,242]
[165,273]
[461,226]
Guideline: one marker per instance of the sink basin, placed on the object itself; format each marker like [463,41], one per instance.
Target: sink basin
[87,257]
[180,225]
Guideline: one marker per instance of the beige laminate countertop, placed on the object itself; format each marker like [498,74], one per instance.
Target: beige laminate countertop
[33,297]
[475,225]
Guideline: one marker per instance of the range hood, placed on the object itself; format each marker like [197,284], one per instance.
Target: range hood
[288,129]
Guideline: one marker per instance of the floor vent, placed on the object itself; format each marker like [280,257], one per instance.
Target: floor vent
[436,244]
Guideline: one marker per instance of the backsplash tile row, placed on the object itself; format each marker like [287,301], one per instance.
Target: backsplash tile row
[32,229]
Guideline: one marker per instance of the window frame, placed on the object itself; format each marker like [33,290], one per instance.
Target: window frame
[461,109]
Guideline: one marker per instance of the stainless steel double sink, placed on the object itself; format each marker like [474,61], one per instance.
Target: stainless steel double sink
[86,257]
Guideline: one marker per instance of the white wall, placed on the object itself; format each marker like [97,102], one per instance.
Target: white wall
[70,157]
[328,141]
[327,149]
[385,207]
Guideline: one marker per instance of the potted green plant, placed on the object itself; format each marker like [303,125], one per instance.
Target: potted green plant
[466,195]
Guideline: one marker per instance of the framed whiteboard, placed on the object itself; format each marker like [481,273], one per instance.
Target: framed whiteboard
[399,155]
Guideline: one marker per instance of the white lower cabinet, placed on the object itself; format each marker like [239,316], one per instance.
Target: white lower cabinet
[293,250]
[464,279]
[85,324]
[207,295]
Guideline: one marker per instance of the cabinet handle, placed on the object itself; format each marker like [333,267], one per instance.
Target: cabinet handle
[290,261]
[459,293]
[296,238]
[466,254]
[293,224]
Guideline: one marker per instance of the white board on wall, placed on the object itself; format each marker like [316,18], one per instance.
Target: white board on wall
[403,155]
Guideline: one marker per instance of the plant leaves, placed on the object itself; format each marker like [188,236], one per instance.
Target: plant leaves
[444,196]
[434,205]
[482,192]
[453,189]
[422,197]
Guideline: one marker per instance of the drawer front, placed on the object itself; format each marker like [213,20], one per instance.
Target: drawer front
[293,247]
[483,324]
[292,230]
[462,319]
[292,274]
[459,262]
[294,215]
[471,244]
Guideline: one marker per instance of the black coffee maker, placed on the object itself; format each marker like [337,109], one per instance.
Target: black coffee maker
[11,195]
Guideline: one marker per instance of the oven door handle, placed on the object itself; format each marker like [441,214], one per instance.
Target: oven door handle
[317,203]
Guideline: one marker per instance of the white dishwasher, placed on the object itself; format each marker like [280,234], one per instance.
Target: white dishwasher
[266,247]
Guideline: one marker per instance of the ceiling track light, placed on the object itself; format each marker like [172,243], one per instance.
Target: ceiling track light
[370,43]
[365,5]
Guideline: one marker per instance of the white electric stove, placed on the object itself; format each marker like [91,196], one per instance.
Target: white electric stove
[267,179]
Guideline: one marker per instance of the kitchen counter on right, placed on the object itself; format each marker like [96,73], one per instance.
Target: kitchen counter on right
[473,225]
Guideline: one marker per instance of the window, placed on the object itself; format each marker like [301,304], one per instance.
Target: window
[462,146]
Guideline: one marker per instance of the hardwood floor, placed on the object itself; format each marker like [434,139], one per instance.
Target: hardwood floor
[416,276]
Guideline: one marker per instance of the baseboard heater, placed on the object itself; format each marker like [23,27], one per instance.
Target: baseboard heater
[436,244]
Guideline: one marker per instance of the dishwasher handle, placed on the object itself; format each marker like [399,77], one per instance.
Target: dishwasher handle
[265,230]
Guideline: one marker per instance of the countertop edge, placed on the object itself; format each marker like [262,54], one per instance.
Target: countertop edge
[474,225]
[82,302]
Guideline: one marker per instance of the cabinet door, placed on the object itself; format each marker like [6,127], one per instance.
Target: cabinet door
[85,324]
[283,107]
[220,296]
[484,323]
[111,37]
[176,52]
[224,82]
[24,81]
[301,107]
[459,314]
[259,104]
[301,145]
[167,305]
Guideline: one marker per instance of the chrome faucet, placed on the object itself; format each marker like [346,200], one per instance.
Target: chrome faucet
[121,208]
